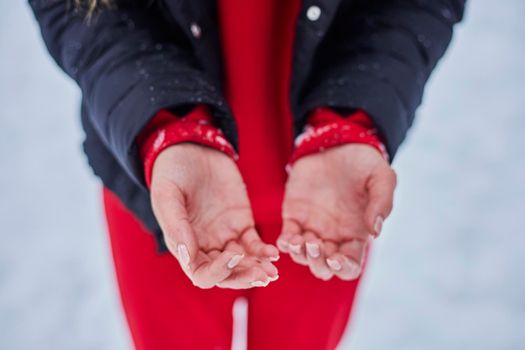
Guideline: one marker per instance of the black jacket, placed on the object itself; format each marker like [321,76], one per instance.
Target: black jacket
[143,55]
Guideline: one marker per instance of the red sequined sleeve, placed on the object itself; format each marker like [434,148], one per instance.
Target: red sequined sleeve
[167,129]
[326,128]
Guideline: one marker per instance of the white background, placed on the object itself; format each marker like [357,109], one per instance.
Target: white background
[448,273]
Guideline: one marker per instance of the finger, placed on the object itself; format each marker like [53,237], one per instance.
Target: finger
[267,266]
[316,255]
[212,254]
[296,249]
[290,229]
[353,228]
[244,278]
[234,245]
[343,267]
[249,260]
[170,211]
[249,270]
[216,269]
[253,244]
[354,250]
[270,269]
[380,199]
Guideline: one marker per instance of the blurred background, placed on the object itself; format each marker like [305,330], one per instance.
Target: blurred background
[447,273]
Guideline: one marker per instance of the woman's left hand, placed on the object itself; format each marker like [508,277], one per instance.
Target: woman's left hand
[334,201]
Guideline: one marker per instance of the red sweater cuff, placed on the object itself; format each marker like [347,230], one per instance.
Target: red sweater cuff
[326,128]
[166,129]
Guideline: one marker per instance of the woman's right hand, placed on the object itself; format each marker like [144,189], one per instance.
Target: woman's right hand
[201,204]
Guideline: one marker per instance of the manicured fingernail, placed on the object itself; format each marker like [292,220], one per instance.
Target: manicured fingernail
[378,225]
[259,284]
[184,255]
[312,249]
[235,260]
[274,258]
[282,244]
[295,248]
[355,268]
[326,275]
[334,264]
[274,278]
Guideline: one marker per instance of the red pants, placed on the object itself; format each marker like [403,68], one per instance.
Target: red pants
[165,311]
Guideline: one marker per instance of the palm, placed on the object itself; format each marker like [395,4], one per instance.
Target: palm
[326,194]
[327,203]
[200,199]
[218,207]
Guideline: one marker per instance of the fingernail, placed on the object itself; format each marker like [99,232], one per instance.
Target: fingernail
[274,278]
[282,244]
[295,248]
[235,260]
[312,249]
[259,284]
[184,255]
[274,258]
[378,225]
[355,268]
[334,264]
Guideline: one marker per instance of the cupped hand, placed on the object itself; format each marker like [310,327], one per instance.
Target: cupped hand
[334,202]
[201,204]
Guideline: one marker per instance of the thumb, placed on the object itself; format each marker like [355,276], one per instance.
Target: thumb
[169,207]
[380,188]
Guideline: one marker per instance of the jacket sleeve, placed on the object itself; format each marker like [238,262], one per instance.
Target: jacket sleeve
[129,63]
[377,56]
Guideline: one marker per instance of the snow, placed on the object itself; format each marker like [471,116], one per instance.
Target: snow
[447,273]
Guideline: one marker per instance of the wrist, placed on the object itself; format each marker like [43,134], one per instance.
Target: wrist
[166,130]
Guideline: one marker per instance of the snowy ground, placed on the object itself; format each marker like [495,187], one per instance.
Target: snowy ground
[448,273]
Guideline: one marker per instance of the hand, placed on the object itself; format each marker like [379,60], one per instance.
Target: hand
[334,201]
[201,204]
